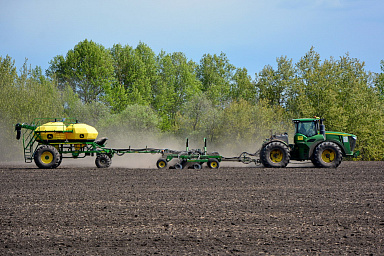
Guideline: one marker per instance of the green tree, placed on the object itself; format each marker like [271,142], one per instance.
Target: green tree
[176,85]
[242,87]
[275,86]
[135,72]
[216,74]
[88,69]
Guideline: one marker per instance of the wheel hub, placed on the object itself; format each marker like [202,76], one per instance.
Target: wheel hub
[276,156]
[328,156]
[46,157]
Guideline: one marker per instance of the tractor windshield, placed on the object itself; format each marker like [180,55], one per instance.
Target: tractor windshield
[306,128]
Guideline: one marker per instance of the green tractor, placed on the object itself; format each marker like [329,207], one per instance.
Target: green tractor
[311,142]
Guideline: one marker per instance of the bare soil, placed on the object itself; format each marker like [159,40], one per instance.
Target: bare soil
[300,210]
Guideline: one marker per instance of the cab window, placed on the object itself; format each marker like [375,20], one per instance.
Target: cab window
[306,128]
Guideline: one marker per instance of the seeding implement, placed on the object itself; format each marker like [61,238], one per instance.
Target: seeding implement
[48,141]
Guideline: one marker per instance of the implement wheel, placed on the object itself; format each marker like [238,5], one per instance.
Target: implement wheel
[47,157]
[161,163]
[327,155]
[275,154]
[213,163]
[103,161]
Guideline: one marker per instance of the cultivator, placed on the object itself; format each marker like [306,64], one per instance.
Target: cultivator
[48,141]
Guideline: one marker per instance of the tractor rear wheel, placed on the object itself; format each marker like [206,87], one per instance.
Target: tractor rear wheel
[327,155]
[275,154]
[47,157]
[213,163]
[103,161]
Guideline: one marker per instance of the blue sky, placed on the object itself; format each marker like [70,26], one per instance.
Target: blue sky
[252,33]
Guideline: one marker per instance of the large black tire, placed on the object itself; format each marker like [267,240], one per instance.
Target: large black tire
[327,155]
[213,163]
[47,157]
[103,161]
[275,154]
[161,163]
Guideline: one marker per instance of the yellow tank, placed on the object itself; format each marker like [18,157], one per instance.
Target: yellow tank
[81,132]
[51,131]
[59,132]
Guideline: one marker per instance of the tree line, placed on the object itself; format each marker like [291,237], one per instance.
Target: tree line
[132,90]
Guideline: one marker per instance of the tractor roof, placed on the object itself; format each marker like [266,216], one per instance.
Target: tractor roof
[305,119]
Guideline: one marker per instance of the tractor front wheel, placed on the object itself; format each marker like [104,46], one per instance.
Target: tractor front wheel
[275,154]
[327,155]
[47,157]
[103,161]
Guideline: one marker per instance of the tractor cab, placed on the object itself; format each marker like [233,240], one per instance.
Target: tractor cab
[308,127]
[308,132]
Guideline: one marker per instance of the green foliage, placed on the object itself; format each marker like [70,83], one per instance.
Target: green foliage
[242,87]
[176,85]
[135,72]
[275,86]
[88,69]
[216,74]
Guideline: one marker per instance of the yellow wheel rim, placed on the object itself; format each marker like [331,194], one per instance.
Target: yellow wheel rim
[213,165]
[328,155]
[46,157]
[276,156]
[161,164]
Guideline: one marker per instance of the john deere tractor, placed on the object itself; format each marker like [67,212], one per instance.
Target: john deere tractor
[311,142]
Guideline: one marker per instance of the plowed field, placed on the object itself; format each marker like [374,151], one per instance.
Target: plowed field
[299,210]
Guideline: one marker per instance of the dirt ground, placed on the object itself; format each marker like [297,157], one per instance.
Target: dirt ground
[244,210]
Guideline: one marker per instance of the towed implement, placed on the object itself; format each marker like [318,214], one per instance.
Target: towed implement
[48,141]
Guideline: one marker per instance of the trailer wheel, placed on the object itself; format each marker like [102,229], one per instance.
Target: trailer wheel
[103,161]
[327,155]
[47,157]
[178,166]
[161,163]
[213,163]
[275,154]
[196,166]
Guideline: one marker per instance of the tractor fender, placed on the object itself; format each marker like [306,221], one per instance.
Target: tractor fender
[314,145]
[274,140]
